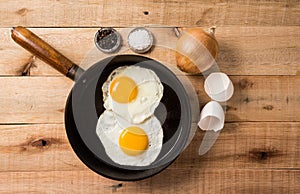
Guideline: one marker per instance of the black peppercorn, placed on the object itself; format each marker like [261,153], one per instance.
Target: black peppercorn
[107,40]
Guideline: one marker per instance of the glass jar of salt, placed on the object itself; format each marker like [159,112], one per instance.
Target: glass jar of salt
[140,40]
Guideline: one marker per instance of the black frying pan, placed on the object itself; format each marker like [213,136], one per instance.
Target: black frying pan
[85,105]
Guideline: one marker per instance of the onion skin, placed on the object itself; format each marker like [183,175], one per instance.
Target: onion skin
[185,61]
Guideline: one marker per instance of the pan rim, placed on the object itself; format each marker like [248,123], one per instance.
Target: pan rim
[72,135]
[184,125]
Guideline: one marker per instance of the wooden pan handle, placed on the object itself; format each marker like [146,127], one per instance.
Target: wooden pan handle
[42,50]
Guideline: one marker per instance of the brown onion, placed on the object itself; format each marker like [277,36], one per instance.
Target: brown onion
[196,50]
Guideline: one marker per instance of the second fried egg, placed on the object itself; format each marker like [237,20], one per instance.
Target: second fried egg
[130,144]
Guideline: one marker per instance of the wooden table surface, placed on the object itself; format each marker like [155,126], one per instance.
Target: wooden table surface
[258,151]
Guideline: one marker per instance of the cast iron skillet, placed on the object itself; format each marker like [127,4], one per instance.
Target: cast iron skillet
[85,105]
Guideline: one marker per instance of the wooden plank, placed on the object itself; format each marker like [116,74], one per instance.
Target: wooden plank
[260,145]
[256,98]
[129,13]
[33,99]
[15,59]
[36,147]
[169,181]
[259,98]
[44,147]
[243,50]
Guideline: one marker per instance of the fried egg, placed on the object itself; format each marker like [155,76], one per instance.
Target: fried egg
[132,92]
[130,144]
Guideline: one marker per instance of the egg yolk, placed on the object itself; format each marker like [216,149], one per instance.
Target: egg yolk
[133,141]
[123,89]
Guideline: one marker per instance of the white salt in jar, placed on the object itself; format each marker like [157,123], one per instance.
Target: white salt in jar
[140,40]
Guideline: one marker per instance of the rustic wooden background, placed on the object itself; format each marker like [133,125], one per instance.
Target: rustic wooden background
[258,151]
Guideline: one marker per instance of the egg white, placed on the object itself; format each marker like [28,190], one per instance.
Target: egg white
[109,128]
[150,92]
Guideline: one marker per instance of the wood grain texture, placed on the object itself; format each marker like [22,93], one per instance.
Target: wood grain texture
[40,147]
[243,50]
[94,13]
[256,98]
[258,150]
[170,181]
[250,145]
[39,48]
[33,100]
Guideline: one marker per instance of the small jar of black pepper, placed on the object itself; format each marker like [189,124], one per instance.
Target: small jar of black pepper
[107,40]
